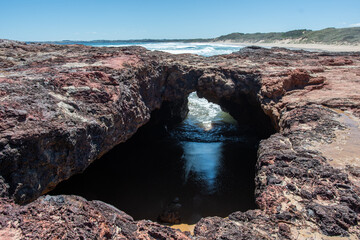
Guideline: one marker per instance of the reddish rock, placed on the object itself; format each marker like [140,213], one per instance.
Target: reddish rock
[72,217]
[62,107]
[336,62]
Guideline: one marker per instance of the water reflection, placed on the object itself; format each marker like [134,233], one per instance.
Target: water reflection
[202,136]
[203,159]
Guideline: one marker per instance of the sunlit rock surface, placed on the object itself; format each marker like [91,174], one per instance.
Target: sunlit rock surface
[62,107]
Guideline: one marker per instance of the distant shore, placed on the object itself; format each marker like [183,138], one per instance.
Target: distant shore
[304,46]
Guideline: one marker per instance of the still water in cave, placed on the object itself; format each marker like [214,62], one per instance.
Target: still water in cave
[202,167]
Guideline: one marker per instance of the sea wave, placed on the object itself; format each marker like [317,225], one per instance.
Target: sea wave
[204,49]
[201,110]
[206,122]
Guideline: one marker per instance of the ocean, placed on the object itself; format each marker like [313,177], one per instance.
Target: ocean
[204,49]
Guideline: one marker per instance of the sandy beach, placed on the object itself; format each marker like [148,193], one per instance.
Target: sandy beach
[309,47]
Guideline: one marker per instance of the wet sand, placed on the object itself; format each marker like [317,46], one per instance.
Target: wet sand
[184,227]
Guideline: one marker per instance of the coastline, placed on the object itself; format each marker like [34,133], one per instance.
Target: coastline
[298,46]
[84,101]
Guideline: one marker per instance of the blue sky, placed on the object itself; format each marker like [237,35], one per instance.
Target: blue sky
[32,20]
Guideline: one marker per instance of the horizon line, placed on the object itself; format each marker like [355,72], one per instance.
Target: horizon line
[171,39]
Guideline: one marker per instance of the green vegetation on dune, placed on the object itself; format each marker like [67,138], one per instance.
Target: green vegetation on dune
[343,36]
[326,36]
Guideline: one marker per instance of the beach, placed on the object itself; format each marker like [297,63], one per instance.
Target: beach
[303,46]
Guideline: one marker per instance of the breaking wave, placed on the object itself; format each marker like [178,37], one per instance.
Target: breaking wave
[204,49]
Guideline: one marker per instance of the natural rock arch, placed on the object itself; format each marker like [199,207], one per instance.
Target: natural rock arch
[92,120]
[65,107]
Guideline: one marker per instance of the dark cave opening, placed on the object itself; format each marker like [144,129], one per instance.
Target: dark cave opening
[176,173]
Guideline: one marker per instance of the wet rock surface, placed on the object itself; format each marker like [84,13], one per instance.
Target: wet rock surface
[62,107]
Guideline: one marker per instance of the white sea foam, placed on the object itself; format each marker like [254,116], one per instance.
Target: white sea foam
[201,110]
[204,49]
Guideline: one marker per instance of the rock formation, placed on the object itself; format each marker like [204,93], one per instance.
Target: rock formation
[62,107]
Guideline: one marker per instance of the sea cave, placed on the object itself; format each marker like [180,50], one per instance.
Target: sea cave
[177,172]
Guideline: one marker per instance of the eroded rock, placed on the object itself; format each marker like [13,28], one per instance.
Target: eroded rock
[72,217]
[62,107]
